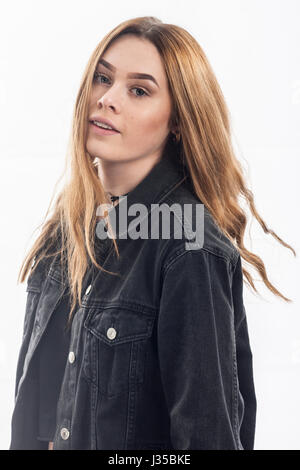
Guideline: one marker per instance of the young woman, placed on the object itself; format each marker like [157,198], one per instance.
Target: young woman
[141,341]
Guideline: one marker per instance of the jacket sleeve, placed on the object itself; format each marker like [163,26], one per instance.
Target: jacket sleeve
[244,363]
[33,289]
[197,352]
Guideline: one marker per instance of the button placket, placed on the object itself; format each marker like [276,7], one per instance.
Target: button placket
[69,390]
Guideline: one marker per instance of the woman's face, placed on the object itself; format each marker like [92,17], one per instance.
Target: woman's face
[139,108]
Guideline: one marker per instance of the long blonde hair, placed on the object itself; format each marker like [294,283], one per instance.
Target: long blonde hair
[201,115]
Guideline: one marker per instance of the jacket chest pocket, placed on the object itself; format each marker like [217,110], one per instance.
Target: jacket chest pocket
[115,348]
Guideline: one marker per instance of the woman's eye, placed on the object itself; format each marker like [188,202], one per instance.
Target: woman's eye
[98,76]
[140,89]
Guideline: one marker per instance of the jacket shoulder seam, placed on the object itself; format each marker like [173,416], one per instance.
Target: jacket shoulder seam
[233,257]
[180,252]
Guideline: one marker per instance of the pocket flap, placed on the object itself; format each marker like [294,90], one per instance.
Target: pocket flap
[116,325]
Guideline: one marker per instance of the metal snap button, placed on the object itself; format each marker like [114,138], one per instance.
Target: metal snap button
[88,289]
[111,333]
[71,357]
[64,432]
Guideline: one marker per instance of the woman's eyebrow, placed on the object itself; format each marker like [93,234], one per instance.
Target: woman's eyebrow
[143,76]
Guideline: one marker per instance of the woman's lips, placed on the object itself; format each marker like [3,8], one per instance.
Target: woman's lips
[101,131]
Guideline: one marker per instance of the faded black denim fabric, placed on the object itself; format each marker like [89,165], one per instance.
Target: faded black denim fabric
[52,353]
[161,354]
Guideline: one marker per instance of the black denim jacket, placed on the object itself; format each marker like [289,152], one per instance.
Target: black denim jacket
[159,355]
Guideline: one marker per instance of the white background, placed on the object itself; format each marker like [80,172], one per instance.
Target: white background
[253,47]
